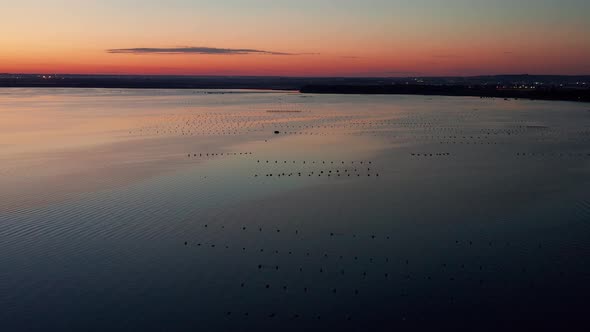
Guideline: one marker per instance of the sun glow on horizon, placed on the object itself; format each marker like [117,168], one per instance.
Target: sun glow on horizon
[296,38]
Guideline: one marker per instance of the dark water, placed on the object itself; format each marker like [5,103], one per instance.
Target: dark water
[183,211]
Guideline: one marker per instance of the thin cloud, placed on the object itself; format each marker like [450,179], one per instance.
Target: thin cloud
[196,50]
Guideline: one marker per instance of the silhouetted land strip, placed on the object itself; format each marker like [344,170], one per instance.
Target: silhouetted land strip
[177,82]
[544,87]
[542,93]
[276,82]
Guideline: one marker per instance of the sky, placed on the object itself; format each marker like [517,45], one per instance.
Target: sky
[381,38]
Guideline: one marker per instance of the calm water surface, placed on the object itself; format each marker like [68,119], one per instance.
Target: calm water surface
[173,210]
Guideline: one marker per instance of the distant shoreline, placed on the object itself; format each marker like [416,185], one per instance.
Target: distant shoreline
[536,87]
[552,93]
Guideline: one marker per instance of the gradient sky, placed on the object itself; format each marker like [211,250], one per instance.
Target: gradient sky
[296,37]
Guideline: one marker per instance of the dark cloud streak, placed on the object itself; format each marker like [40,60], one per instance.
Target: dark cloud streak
[195,50]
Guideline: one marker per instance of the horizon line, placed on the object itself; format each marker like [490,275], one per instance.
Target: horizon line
[290,76]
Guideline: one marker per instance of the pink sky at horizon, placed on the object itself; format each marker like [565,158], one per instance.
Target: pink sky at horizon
[323,38]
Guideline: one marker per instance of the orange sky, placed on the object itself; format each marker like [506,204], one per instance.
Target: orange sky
[323,38]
